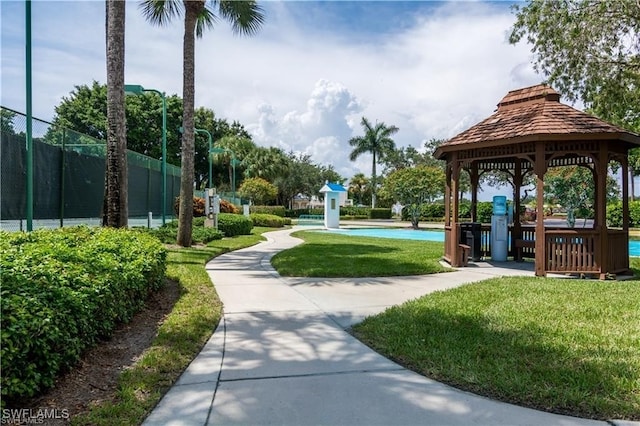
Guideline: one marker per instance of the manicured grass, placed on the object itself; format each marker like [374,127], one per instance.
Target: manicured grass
[334,255]
[180,337]
[560,345]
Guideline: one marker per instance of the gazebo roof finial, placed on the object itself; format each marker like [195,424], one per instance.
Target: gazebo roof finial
[532,94]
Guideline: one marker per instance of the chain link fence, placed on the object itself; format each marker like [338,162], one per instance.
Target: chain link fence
[69,177]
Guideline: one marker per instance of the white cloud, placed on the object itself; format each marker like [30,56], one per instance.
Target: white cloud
[305,80]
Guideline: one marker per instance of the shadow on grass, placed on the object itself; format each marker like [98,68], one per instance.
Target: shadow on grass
[519,366]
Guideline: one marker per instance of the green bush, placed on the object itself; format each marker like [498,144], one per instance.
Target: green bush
[485,210]
[354,211]
[614,214]
[296,213]
[64,289]
[234,224]
[274,210]
[199,234]
[380,214]
[269,220]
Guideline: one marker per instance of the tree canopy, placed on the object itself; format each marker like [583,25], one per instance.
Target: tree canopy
[589,50]
[414,186]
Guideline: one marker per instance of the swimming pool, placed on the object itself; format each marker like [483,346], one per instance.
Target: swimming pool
[425,235]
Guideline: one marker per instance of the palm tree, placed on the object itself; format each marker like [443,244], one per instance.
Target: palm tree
[115,211]
[245,17]
[376,140]
[358,187]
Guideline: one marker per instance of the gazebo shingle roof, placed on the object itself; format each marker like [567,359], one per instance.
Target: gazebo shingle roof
[534,113]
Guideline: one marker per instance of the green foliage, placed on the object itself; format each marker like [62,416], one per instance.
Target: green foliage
[589,51]
[380,214]
[354,211]
[200,235]
[269,220]
[64,289]
[484,211]
[234,224]
[614,214]
[295,213]
[414,186]
[274,210]
[258,190]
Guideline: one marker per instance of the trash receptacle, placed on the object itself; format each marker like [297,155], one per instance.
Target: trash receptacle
[471,235]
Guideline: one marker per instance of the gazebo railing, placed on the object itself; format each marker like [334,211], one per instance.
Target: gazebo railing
[570,250]
[567,250]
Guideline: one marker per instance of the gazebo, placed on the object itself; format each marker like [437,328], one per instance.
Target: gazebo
[532,131]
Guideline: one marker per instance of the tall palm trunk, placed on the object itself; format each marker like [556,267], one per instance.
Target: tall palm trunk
[116,206]
[185,219]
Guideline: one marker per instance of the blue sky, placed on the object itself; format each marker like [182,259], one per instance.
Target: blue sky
[303,83]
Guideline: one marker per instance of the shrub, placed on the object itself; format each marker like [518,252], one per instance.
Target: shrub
[228,207]
[354,211]
[274,210]
[198,206]
[485,210]
[269,220]
[64,289]
[296,213]
[380,214]
[234,224]
[614,215]
[634,213]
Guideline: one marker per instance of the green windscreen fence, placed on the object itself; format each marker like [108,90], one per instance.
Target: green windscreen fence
[68,178]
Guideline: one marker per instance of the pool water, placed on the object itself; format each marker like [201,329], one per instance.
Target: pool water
[422,235]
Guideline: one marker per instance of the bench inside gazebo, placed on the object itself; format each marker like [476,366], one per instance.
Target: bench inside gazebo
[530,132]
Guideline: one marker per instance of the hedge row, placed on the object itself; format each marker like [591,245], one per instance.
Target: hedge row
[234,224]
[273,210]
[269,220]
[64,289]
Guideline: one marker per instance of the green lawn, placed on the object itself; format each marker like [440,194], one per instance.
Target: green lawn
[180,337]
[333,255]
[561,345]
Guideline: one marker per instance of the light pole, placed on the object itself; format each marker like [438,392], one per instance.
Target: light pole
[233,164]
[136,89]
[206,132]
[29,94]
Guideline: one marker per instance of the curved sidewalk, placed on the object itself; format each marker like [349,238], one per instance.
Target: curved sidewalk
[281,355]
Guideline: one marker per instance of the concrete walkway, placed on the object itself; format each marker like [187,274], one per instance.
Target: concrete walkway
[281,355]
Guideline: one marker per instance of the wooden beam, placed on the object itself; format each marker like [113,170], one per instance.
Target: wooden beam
[455,188]
[540,168]
[517,227]
[601,209]
[475,179]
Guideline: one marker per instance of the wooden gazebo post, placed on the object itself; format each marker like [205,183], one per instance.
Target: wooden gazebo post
[540,168]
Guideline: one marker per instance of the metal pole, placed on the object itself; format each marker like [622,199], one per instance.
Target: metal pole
[29,118]
[210,160]
[233,163]
[164,158]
